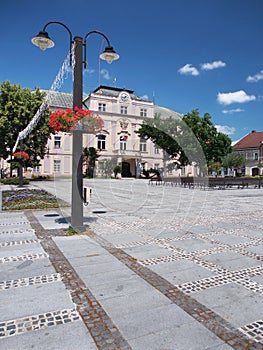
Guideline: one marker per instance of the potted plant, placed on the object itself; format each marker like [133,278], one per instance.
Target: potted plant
[66,120]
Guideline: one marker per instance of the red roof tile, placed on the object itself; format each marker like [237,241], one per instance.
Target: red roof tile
[252,140]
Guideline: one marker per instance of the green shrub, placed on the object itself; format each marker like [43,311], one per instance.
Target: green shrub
[14,181]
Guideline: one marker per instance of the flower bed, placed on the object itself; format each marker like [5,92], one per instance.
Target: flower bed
[29,199]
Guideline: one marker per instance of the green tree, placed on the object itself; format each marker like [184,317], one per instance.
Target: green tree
[171,135]
[189,140]
[90,155]
[17,108]
[215,145]
[234,160]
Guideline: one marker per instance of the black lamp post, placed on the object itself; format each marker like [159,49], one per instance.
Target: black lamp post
[43,41]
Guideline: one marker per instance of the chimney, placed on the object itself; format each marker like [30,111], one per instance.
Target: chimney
[253,131]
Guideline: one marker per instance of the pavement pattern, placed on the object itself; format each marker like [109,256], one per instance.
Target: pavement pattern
[157,268]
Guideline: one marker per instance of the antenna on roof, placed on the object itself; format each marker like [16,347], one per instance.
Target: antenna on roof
[115,82]
[153,97]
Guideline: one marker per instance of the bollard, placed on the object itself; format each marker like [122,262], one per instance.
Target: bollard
[86,195]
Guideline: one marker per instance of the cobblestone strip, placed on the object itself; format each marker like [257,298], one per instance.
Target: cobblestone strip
[24,241]
[13,223]
[24,257]
[29,281]
[16,231]
[239,277]
[212,321]
[33,323]
[254,330]
[105,334]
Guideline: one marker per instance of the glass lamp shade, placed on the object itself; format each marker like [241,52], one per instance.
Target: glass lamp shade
[109,54]
[43,41]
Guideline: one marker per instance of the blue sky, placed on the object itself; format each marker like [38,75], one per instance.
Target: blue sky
[184,54]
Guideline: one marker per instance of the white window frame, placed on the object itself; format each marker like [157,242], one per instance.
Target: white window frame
[156,149]
[143,145]
[57,141]
[36,169]
[102,107]
[101,144]
[57,165]
[143,112]
[123,145]
[124,110]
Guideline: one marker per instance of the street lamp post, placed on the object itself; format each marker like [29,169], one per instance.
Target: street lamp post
[43,41]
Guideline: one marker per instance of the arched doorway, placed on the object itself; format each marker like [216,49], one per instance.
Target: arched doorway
[255,171]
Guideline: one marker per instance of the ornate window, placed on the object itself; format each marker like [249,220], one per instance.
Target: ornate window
[123,143]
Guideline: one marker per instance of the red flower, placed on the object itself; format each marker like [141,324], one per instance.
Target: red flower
[21,155]
[66,120]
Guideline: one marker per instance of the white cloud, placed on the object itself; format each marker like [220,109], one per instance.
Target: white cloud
[231,111]
[224,129]
[234,97]
[145,97]
[212,65]
[188,69]
[90,71]
[255,78]
[105,74]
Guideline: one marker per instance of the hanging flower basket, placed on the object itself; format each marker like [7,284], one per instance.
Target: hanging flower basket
[21,155]
[66,120]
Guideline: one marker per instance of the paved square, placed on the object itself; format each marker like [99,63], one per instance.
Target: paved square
[160,268]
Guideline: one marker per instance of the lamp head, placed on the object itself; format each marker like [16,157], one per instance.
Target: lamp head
[43,41]
[109,54]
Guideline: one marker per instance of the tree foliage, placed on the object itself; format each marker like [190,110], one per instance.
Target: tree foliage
[90,155]
[234,160]
[215,145]
[17,108]
[192,139]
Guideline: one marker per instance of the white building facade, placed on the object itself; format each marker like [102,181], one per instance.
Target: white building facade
[117,143]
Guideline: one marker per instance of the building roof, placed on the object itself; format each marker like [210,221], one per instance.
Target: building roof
[114,91]
[166,112]
[252,140]
[60,99]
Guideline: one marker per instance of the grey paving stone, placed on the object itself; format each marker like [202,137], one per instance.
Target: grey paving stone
[69,336]
[115,288]
[192,244]
[28,268]
[80,243]
[181,271]
[122,305]
[17,236]
[20,249]
[184,337]
[48,221]
[147,251]
[229,238]
[232,261]
[32,300]
[234,303]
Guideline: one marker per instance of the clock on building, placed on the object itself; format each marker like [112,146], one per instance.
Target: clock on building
[124,97]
